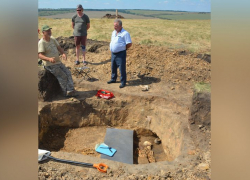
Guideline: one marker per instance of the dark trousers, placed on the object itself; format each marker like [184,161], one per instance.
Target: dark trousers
[63,76]
[118,60]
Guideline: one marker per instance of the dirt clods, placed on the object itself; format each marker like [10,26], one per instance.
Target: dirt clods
[109,16]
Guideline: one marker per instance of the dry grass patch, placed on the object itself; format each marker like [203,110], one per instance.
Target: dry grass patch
[193,35]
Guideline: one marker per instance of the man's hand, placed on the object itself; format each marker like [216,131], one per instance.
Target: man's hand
[128,45]
[52,60]
[45,58]
[64,56]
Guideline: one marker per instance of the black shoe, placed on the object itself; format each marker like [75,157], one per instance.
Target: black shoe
[72,94]
[111,81]
[122,86]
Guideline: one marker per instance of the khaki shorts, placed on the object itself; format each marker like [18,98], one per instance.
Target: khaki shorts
[80,40]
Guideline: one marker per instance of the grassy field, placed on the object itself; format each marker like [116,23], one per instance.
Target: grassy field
[131,14]
[171,15]
[97,14]
[192,35]
[53,12]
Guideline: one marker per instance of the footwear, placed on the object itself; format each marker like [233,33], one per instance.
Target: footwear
[122,86]
[111,81]
[71,94]
[85,63]
[77,62]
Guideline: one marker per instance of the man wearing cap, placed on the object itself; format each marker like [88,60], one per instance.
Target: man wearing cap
[48,51]
[80,24]
[120,42]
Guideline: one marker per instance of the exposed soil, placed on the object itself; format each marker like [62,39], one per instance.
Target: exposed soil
[109,16]
[170,110]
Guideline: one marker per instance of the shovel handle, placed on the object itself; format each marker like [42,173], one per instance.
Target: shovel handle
[101,167]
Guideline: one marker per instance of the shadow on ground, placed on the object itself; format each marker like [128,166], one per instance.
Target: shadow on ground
[102,62]
[143,81]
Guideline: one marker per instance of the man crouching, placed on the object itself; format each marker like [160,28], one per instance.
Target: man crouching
[48,48]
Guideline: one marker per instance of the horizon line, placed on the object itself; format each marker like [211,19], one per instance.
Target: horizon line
[130,9]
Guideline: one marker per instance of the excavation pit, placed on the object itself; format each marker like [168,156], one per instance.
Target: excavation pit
[76,126]
[83,140]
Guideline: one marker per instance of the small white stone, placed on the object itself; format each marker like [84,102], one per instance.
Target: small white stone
[203,166]
[146,143]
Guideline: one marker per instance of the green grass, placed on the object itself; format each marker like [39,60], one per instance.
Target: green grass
[53,12]
[202,87]
[192,35]
[152,12]
[171,15]
[168,14]
[146,41]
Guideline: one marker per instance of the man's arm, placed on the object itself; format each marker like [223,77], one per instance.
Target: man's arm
[62,52]
[60,49]
[88,26]
[45,58]
[128,45]
[73,25]
[128,40]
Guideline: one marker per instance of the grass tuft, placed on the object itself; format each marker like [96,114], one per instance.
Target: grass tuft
[146,41]
[202,87]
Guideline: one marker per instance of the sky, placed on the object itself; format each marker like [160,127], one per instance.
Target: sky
[176,5]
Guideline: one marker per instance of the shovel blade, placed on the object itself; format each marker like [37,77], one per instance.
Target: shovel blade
[41,154]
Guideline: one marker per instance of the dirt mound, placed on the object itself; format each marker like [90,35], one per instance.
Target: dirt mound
[67,43]
[205,57]
[109,16]
[172,66]
[147,64]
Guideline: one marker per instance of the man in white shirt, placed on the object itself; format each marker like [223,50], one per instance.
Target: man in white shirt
[120,42]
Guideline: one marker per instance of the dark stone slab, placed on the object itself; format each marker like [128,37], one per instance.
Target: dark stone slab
[122,141]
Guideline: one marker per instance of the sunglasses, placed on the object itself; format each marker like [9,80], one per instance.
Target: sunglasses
[78,10]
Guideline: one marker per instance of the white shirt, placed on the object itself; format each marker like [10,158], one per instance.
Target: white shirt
[118,42]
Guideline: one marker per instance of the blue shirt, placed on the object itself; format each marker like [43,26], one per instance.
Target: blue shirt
[118,42]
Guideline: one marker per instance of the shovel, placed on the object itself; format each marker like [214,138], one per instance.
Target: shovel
[44,154]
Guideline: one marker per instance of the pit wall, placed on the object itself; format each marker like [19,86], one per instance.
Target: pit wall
[200,111]
[166,118]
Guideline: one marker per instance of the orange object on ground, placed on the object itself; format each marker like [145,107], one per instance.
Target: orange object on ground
[101,167]
[104,94]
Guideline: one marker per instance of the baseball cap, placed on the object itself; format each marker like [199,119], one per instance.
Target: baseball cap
[45,28]
[79,6]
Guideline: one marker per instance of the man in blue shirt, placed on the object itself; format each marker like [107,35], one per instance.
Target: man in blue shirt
[120,42]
